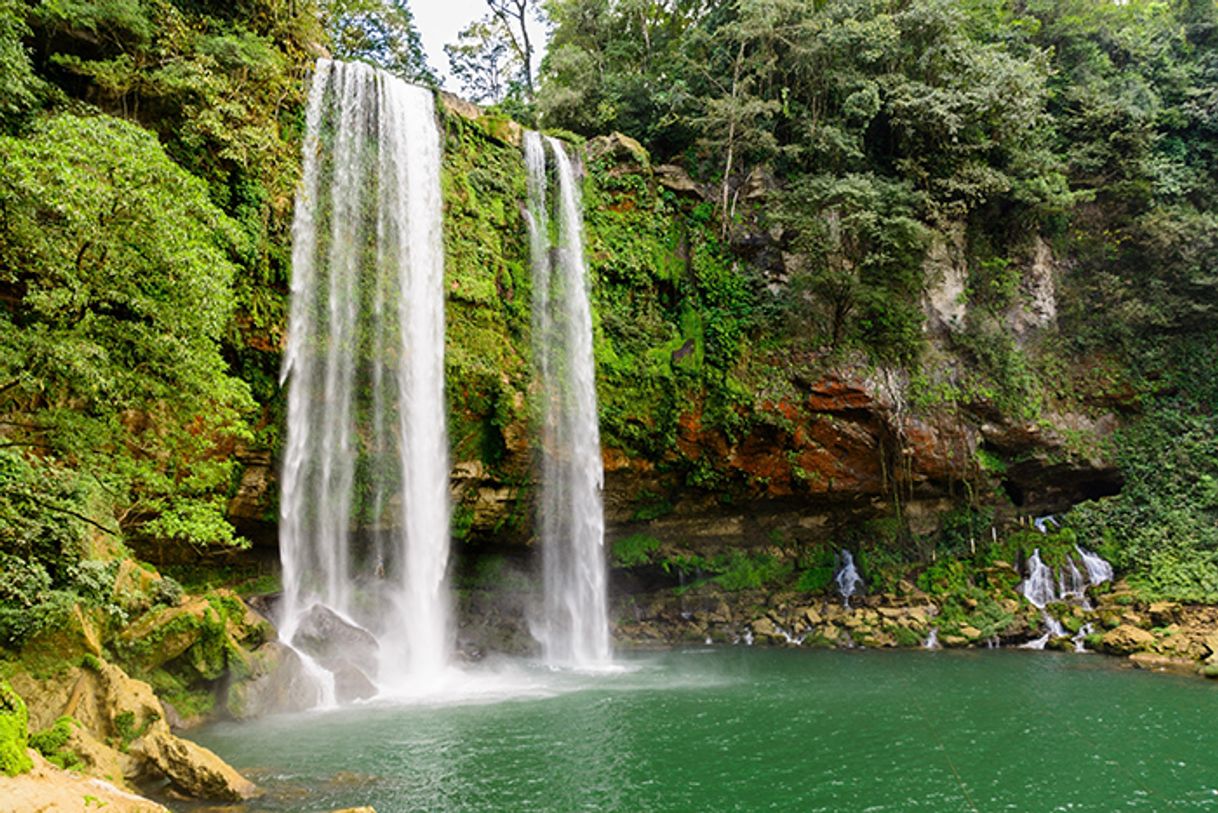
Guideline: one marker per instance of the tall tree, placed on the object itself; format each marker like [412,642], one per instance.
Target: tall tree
[515,16]
[380,32]
[485,63]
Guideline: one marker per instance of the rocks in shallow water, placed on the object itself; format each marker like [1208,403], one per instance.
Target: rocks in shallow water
[1126,639]
[193,769]
[350,683]
[1162,663]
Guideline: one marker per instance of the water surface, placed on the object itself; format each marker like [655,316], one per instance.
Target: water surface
[742,729]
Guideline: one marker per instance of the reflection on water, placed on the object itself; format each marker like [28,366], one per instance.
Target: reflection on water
[755,730]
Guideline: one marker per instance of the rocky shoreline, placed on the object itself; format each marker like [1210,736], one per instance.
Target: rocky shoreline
[1161,636]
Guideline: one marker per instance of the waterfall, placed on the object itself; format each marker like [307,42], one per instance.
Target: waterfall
[364,511]
[575,625]
[1038,588]
[847,577]
[1098,569]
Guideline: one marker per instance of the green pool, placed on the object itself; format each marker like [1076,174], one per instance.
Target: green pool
[744,729]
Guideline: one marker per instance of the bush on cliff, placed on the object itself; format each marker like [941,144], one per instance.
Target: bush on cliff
[14,732]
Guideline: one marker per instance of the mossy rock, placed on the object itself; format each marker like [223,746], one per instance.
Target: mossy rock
[14,732]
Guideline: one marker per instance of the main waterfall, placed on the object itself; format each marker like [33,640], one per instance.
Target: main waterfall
[364,513]
[575,629]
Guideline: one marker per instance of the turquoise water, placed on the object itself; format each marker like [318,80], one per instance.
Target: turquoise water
[736,729]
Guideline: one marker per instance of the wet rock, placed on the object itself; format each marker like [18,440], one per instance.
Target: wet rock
[1126,639]
[255,497]
[193,769]
[274,682]
[332,641]
[1162,663]
[351,684]
[765,631]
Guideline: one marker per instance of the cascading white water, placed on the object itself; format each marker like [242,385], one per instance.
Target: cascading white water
[575,628]
[847,577]
[1038,588]
[364,510]
[1098,569]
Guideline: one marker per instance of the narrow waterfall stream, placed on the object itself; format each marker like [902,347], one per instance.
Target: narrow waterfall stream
[364,511]
[575,628]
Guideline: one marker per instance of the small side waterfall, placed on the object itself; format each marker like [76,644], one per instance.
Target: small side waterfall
[1098,569]
[364,511]
[571,520]
[1041,588]
[847,577]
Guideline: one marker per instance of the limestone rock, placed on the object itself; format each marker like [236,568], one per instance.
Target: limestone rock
[193,769]
[77,636]
[119,712]
[48,788]
[1211,643]
[1163,613]
[621,148]
[331,640]
[97,758]
[274,682]
[675,178]
[1126,639]
[1162,663]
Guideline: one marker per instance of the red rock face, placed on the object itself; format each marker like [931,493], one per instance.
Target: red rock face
[843,441]
[847,440]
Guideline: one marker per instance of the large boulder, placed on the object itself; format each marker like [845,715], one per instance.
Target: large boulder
[274,681]
[47,787]
[333,641]
[1126,639]
[193,769]
[124,725]
[199,636]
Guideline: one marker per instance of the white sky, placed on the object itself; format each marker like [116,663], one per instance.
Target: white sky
[439,21]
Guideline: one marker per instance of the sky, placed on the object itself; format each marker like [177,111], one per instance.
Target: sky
[439,21]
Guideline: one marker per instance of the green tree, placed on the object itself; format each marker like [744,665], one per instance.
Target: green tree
[381,32]
[116,282]
[485,63]
[18,84]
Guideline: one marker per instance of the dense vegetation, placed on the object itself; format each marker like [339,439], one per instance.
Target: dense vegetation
[150,151]
[882,129]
